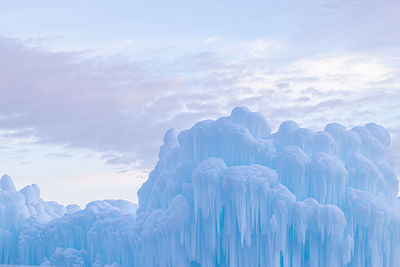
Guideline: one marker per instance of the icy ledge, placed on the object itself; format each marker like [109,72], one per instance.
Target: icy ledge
[228,193]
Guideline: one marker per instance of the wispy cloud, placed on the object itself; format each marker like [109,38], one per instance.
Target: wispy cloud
[121,108]
[59,155]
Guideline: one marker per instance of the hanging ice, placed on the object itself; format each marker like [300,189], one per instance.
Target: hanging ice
[228,193]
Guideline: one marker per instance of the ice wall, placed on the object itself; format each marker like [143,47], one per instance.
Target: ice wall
[34,231]
[228,192]
[291,198]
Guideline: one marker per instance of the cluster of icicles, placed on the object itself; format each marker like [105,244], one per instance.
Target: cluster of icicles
[229,193]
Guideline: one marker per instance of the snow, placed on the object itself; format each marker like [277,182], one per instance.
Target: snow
[227,192]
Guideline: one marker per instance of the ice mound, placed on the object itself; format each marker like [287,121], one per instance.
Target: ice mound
[291,198]
[34,231]
[228,192]
[6,184]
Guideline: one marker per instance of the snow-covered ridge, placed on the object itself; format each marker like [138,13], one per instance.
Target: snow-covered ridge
[228,193]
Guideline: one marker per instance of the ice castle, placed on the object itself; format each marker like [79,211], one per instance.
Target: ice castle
[231,193]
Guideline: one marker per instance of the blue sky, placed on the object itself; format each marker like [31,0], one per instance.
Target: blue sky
[89,87]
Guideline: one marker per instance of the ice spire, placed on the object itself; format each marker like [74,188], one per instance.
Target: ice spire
[6,184]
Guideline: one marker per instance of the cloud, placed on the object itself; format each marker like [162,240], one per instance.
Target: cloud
[59,155]
[65,100]
[121,108]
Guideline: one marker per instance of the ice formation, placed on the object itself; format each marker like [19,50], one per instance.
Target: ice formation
[228,193]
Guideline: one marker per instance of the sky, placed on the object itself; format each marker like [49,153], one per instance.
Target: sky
[88,88]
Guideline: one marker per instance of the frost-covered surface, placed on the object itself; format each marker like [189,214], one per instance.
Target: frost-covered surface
[228,193]
[37,232]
